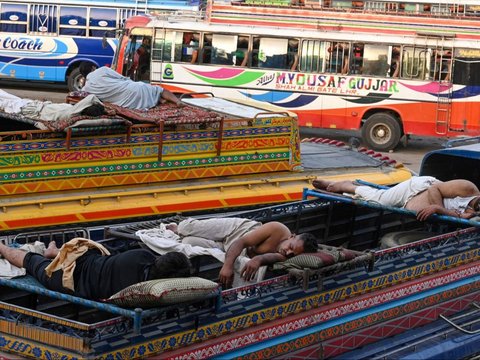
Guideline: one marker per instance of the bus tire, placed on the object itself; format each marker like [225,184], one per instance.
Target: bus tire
[381,132]
[75,80]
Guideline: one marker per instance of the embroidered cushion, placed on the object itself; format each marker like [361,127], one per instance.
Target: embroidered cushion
[164,292]
[325,256]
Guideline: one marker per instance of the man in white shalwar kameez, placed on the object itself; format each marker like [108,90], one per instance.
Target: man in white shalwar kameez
[45,110]
[424,194]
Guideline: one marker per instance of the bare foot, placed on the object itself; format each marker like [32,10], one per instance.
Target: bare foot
[51,251]
[344,186]
[321,184]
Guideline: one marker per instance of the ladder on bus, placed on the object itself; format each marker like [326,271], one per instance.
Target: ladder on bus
[141,6]
[443,110]
[444,97]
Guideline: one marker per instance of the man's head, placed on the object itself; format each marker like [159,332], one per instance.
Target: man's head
[298,244]
[86,68]
[94,110]
[475,204]
[170,265]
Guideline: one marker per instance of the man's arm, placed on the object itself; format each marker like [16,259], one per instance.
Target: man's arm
[448,189]
[254,237]
[251,267]
[453,188]
[169,96]
[423,214]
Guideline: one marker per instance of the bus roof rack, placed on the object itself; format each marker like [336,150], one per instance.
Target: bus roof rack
[180,15]
[436,35]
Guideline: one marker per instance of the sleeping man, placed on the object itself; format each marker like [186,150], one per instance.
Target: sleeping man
[110,86]
[245,245]
[48,111]
[424,194]
[86,269]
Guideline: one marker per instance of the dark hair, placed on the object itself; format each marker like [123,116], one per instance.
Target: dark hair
[310,242]
[85,68]
[476,204]
[171,265]
[94,110]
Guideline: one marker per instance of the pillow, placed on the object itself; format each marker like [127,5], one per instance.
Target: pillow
[325,256]
[164,292]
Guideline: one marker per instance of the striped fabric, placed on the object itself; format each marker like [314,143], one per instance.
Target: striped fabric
[325,256]
[159,292]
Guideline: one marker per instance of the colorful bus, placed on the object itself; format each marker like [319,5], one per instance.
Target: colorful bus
[47,41]
[334,69]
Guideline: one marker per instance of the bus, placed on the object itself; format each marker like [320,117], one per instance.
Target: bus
[333,69]
[42,41]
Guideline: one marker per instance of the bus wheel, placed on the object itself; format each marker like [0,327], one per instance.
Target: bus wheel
[75,80]
[381,132]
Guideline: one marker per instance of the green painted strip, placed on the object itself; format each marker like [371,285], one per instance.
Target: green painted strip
[137,167]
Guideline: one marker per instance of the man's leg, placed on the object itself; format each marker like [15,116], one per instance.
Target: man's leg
[202,242]
[339,187]
[12,255]
[51,251]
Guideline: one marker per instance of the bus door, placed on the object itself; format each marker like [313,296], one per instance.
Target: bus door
[137,55]
[466,77]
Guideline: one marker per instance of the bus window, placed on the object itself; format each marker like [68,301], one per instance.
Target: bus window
[466,68]
[313,56]
[43,19]
[337,57]
[241,53]
[101,20]
[224,49]
[395,62]
[356,62]
[270,53]
[207,48]
[375,60]
[190,43]
[292,54]
[169,48]
[414,63]
[73,21]
[162,48]
[440,65]
[13,18]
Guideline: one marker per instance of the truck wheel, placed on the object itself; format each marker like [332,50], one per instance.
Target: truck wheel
[381,132]
[75,80]
[398,238]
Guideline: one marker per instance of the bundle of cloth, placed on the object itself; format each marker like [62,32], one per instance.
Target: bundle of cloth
[46,115]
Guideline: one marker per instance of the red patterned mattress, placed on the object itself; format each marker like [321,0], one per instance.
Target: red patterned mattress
[168,112]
